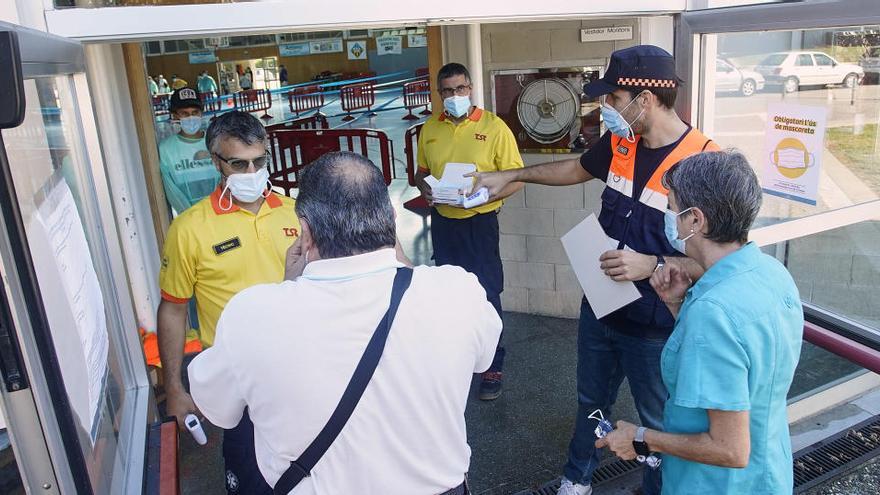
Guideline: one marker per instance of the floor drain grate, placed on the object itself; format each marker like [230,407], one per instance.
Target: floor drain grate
[836,454]
[812,465]
[605,473]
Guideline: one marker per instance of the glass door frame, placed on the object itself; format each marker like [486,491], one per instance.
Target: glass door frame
[691,52]
[49,453]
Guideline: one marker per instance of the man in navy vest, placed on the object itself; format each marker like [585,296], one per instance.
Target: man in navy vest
[646,137]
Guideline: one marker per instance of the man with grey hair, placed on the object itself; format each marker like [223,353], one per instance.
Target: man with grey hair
[406,432]
[730,360]
[235,238]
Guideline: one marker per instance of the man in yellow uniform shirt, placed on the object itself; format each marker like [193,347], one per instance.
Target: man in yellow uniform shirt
[464,133]
[231,240]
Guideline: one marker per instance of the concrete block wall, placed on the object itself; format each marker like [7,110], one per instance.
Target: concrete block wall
[537,276]
[531,45]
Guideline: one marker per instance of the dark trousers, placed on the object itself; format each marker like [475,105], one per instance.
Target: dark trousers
[243,477]
[472,243]
[605,357]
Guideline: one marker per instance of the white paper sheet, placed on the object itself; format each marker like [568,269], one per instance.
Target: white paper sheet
[79,327]
[584,244]
[447,189]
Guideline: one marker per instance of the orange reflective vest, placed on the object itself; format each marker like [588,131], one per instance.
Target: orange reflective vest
[637,223]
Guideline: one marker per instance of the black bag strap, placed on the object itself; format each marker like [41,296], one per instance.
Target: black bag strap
[302,467]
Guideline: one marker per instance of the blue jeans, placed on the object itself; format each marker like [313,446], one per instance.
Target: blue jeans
[605,357]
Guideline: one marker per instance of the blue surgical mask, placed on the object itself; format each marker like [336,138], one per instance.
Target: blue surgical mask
[457,106]
[191,125]
[670,220]
[615,122]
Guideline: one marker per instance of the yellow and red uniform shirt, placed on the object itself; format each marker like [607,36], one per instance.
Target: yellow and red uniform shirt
[482,139]
[214,254]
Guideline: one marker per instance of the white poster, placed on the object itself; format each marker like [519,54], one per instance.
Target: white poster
[294,49]
[357,50]
[793,151]
[416,40]
[389,45]
[76,317]
[325,46]
[203,57]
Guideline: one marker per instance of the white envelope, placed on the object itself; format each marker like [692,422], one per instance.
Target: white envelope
[584,244]
[446,190]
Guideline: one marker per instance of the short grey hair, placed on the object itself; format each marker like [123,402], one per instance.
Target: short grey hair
[723,186]
[235,124]
[345,201]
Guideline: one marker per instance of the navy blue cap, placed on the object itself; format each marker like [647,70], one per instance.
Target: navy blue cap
[641,66]
[185,98]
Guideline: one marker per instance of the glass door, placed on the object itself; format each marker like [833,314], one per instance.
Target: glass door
[67,308]
[801,104]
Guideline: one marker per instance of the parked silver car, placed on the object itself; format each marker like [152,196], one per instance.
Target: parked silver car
[804,68]
[729,77]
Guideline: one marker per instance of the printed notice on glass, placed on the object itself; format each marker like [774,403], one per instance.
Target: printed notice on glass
[793,150]
[73,301]
[584,245]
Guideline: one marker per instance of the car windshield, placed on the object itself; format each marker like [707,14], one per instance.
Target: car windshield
[774,59]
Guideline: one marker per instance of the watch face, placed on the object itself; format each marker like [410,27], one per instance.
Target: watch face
[641,448]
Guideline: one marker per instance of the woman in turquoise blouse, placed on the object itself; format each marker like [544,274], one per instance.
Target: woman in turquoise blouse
[730,361]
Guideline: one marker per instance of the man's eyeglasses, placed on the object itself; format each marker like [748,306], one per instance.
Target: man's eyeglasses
[241,165]
[458,90]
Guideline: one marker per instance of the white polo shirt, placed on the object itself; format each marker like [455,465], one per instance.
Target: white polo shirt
[287,351]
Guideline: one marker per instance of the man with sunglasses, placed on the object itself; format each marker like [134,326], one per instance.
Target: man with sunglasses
[231,240]
[188,174]
[468,237]
[646,138]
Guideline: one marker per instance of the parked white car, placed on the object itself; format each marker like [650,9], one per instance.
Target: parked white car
[802,68]
[729,77]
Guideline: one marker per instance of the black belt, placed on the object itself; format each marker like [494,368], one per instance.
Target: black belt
[461,489]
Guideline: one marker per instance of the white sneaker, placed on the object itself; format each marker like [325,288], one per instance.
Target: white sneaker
[569,488]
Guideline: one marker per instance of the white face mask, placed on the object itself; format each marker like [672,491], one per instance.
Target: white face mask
[794,158]
[247,188]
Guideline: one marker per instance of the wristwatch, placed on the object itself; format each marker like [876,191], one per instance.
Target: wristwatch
[639,444]
[661,261]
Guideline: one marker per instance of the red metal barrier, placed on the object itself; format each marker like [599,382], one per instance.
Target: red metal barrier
[417,205]
[161,104]
[416,94]
[356,97]
[210,102]
[410,145]
[422,71]
[294,149]
[305,98]
[315,122]
[254,100]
